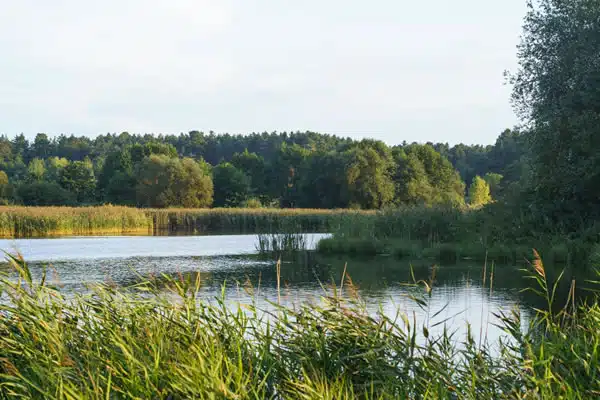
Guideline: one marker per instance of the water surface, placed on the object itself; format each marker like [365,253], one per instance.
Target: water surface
[232,262]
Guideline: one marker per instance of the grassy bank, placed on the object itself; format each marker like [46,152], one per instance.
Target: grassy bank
[45,221]
[146,343]
[18,221]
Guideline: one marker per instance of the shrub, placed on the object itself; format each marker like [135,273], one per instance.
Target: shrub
[44,194]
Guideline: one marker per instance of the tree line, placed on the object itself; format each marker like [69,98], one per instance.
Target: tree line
[300,169]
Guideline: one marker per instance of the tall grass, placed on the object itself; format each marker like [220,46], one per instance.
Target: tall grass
[148,343]
[44,221]
[16,221]
[250,220]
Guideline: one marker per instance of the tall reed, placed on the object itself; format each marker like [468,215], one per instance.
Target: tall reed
[281,242]
[146,343]
[18,221]
[249,220]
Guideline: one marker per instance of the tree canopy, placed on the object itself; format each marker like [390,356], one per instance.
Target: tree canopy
[288,169]
[479,192]
[555,91]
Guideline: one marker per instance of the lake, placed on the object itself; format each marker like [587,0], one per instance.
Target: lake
[231,261]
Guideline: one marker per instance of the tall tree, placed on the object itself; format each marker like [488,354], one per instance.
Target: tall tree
[78,178]
[4,188]
[285,172]
[164,181]
[494,182]
[153,177]
[20,147]
[368,178]
[36,169]
[556,93]
[324,184]
[423,176]
[254,166]
[116,180]
[231,185]
[41,146]
[192,183]
[54,167]
[479,192]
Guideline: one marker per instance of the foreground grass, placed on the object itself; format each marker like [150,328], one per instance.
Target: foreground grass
[145,342]
[17,221]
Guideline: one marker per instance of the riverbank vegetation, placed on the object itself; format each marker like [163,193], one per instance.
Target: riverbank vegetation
[19,221]
[46,221]
[251,220]
[495,233]
[158,340]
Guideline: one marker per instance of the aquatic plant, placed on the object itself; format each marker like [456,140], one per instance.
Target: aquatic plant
[281,242]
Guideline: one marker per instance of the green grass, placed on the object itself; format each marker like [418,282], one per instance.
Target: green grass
[148,343]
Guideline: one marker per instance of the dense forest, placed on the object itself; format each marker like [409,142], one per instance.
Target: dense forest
[300,169]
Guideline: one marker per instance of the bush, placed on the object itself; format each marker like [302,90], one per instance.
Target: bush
[44,194]
[252,203]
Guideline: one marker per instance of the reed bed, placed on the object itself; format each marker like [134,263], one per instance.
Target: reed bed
[16,221]
[251,220]
[144,342]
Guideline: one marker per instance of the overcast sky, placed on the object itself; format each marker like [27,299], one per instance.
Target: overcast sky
[390,69]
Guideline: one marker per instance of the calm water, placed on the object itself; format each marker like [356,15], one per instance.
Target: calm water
[232,260]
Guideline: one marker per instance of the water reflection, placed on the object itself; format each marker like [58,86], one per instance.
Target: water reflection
[117,247]
[458,290]
[230,262]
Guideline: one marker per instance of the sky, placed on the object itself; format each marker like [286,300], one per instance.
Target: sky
[393,70]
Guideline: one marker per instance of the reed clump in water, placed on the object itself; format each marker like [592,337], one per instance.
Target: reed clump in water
[281,243]
[16,221]
[145,343]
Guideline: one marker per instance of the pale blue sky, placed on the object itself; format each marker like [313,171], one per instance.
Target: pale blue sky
[389,69]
